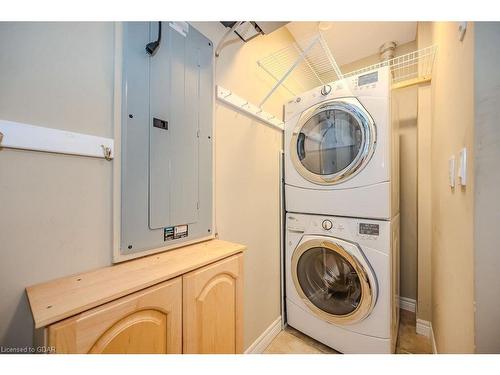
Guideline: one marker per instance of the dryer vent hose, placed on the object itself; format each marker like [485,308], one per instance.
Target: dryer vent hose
[387,50]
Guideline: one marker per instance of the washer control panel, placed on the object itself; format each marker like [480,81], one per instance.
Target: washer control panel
[369,231]
[327,224]
[374,234]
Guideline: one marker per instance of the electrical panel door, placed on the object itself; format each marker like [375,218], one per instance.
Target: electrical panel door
[167,121]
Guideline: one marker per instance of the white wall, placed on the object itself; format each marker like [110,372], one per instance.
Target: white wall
[424,203]
[247,173]
[486,186]
[55,210]
[452,208]
[424,188]
[405,102]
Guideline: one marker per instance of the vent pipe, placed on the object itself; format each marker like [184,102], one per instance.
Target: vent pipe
[387,51]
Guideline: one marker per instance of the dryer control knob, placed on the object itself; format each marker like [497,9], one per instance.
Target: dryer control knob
[327,224]
[326,89]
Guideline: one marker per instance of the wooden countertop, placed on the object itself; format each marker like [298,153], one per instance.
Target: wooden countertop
[61,298]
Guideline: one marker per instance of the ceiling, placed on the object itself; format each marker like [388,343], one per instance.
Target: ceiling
[351,41]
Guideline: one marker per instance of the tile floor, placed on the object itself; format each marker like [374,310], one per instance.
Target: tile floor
[291,341]
[408,340]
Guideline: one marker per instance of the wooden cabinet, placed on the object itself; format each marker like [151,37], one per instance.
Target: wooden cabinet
[188,300]
[149,321]
[212,308]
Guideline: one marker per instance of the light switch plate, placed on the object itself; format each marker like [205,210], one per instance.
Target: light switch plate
[462,168]
[451,171]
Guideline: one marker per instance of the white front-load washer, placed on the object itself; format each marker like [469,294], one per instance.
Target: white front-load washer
[342,281]
[341,149]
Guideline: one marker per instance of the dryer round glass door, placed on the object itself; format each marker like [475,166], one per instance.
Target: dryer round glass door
[332,282]
[332,142]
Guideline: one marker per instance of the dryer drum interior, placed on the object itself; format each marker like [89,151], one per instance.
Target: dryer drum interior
[333,142]
[332,282]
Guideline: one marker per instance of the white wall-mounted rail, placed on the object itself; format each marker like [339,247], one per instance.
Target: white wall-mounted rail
[242,105]
[37,138]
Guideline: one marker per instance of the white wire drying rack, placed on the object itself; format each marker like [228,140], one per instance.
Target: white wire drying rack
[411,68]
[308,63]
[302,65]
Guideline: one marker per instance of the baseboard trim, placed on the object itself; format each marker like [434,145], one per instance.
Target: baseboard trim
[407,304]
[433,341]
[263,341]
[424,328]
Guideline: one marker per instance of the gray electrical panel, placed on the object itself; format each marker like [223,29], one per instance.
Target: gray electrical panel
[167,122]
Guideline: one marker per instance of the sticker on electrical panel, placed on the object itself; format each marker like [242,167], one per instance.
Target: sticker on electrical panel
[180,231]
[174,233]
[168,234]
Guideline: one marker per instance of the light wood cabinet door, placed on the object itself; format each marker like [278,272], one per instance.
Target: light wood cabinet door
[213,308]
[148,321]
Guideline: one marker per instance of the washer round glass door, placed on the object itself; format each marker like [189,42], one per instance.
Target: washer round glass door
[332,282]
[333,141]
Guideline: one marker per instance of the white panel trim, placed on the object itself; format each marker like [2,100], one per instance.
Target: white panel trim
[38,138]
[117,133]
[424,328]
[282,231]
[407,304]
[263,341]
[242,105]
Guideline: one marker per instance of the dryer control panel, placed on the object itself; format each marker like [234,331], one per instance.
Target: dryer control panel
[375,83]
[367,79]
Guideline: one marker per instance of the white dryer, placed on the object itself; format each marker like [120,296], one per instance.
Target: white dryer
[342,281]
[341,149]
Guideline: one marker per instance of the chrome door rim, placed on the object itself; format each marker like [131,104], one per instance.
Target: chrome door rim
[368,292]
[368,146]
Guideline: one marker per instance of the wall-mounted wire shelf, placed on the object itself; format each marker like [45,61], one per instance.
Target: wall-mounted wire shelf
[308,63]
[411,68]
[305,63]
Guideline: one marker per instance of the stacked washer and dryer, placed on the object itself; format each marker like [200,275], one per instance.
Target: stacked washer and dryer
[342,214]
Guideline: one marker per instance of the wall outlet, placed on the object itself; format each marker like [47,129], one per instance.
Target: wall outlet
[451,171]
